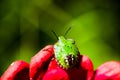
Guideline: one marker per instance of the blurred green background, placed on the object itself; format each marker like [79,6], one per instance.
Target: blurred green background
[25,28]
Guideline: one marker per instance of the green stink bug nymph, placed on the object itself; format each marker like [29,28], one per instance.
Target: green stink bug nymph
[66,52]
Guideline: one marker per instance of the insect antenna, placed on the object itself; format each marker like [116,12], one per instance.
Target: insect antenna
[55,34]
[67,31]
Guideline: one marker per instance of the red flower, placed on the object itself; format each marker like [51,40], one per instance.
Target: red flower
[43,66]
[56,74]
[83,71]
[18,70]
[44,63]
[39,63]
[108,71]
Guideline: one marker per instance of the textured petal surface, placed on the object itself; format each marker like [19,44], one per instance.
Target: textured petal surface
[108,71]
[53,64]
[83,71]
[39,63]
[18,70]
[56,74]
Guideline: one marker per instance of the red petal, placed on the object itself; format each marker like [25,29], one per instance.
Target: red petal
[39,63]
[18,70]
[108,71]
[83,71]
[56,74]
[53,64]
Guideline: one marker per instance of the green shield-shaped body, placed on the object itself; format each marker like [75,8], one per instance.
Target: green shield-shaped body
[66,52]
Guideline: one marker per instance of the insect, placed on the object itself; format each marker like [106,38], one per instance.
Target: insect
[66,51]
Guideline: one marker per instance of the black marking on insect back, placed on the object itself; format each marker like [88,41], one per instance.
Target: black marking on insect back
[79,60]
[69,60]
